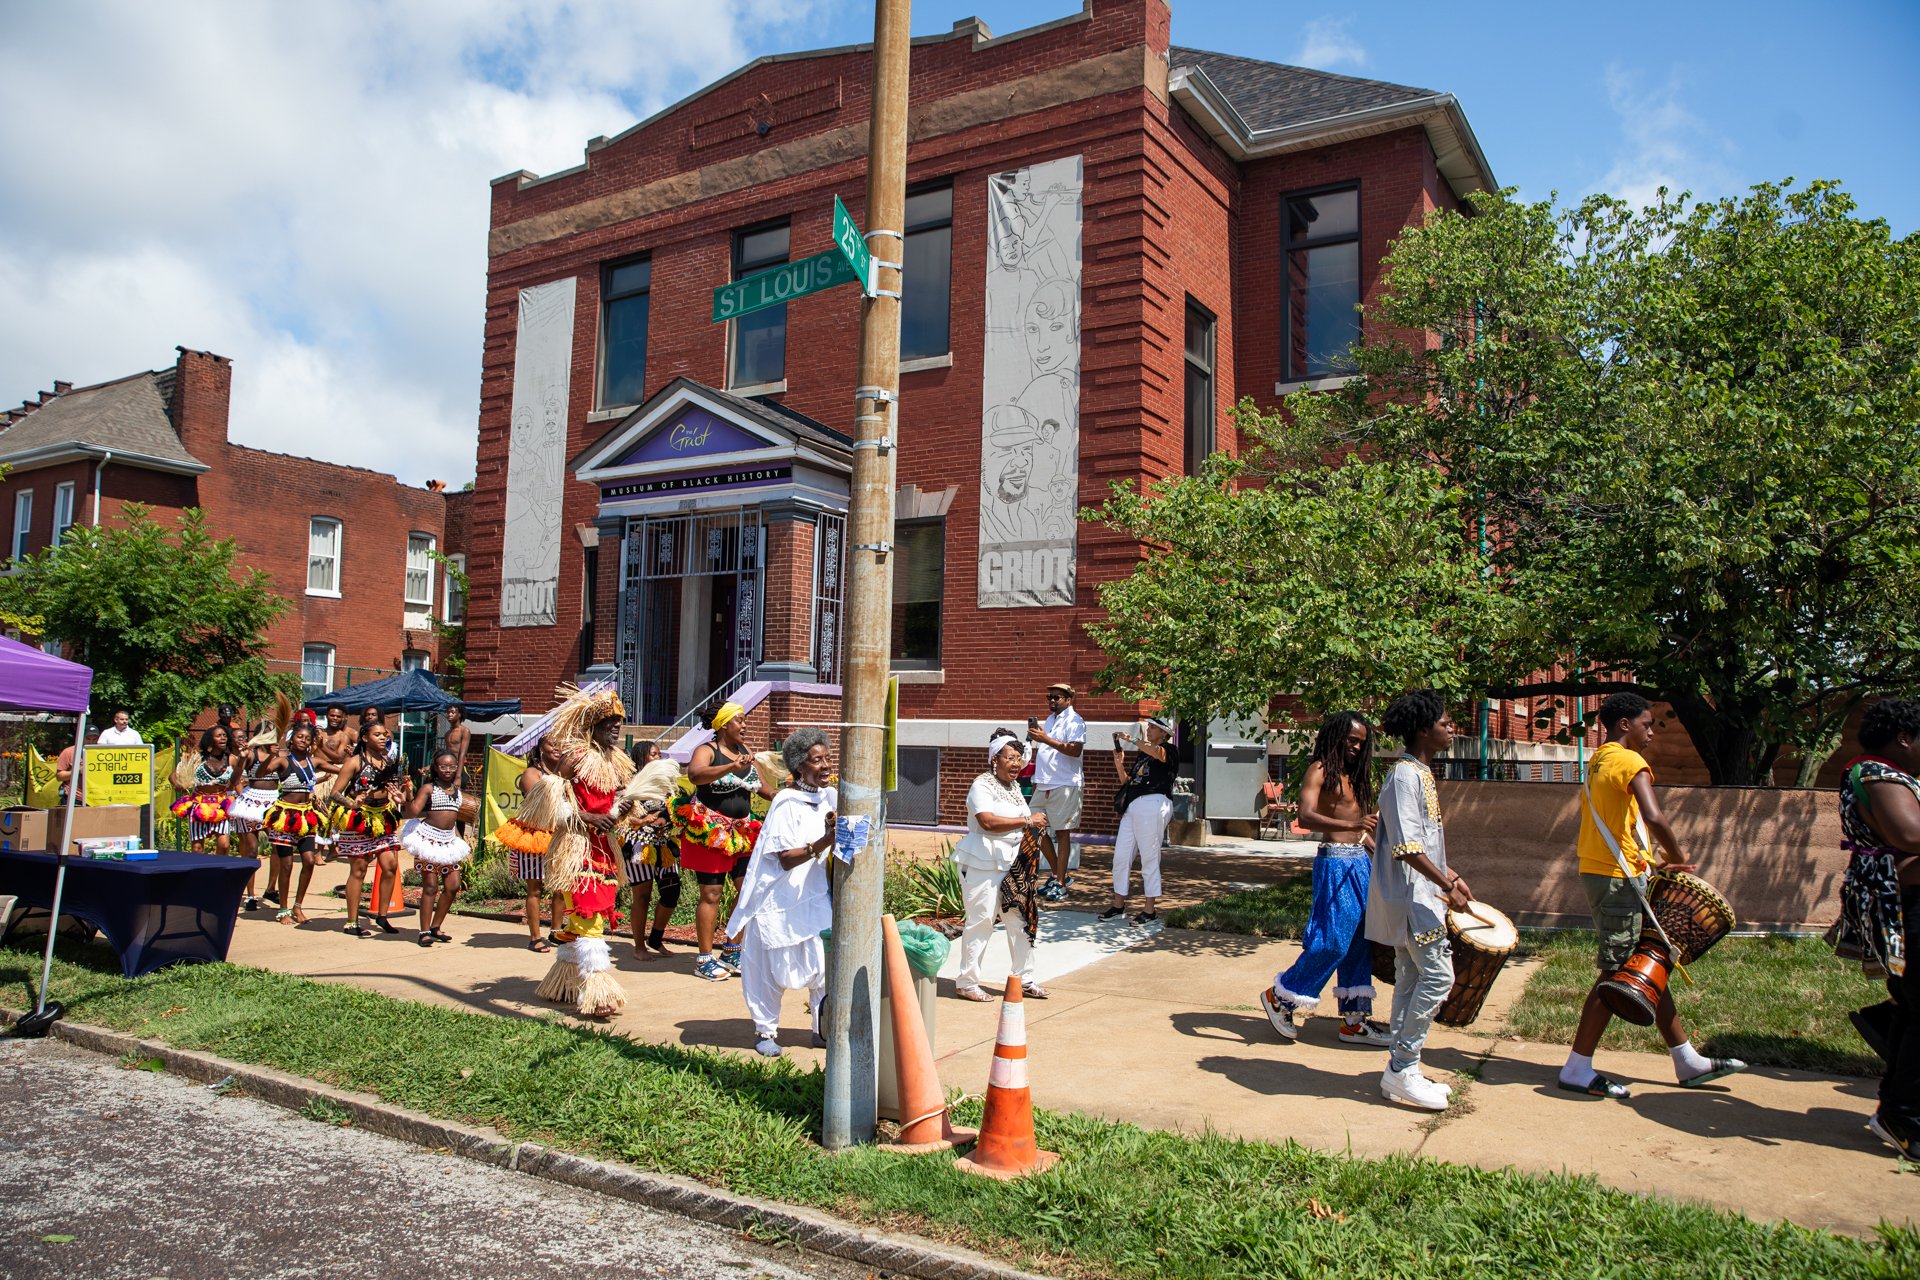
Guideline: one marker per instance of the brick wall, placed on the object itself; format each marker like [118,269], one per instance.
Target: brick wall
[265,501]
[1150,180]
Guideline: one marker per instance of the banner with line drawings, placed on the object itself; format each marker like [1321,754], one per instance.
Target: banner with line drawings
[1030,376]
[537,457]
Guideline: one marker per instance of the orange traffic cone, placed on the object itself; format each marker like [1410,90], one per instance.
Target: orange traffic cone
[1007,1148]
[924,1124]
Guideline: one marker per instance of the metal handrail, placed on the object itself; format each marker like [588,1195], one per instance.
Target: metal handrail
[731,683]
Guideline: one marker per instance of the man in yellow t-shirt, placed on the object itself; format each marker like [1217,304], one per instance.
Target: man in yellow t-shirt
[1619,791]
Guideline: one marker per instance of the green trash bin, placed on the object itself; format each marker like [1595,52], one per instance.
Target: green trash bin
[926,949]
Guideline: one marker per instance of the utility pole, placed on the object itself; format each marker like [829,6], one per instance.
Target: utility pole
[853,979]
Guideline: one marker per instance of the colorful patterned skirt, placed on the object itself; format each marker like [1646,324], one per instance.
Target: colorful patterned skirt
[288,822]
[364,831]
[433,848]
[249,809]
[206,814]
[711,841]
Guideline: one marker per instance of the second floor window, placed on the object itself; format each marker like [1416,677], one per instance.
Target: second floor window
[1320,316]
[22,523]
[316,671]
[62,510]
[1199,387]
[323,557]
[927,278]
[759,353]
[623,333]
[454,611]
[420,570]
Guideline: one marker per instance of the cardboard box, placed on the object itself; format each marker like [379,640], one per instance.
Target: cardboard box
[24,829]
[92,822]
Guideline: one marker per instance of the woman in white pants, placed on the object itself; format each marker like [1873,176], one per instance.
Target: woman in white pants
[1148,791]
[997,814]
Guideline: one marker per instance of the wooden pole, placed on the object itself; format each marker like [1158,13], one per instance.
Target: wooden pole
[853,980]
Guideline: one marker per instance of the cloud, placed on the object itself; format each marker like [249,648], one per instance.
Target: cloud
[1662,142]
[1328,45]
[304,189]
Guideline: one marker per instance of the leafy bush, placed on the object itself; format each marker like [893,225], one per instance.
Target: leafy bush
[931,888]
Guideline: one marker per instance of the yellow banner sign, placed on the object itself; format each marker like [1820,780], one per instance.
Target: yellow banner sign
[118,775]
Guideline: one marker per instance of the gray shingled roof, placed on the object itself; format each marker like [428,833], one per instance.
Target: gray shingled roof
[127,416]
[1272,95]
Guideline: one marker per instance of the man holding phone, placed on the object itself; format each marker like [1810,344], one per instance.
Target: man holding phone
[1058,781]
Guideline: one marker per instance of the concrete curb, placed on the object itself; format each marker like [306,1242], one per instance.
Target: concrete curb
[805,1228]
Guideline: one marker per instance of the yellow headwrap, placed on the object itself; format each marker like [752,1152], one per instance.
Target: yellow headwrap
[727,711]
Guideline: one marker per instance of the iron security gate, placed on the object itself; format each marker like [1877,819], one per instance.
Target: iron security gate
[829,595]
[714,557]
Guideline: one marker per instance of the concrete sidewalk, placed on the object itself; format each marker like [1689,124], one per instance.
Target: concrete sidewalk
[1165,1033]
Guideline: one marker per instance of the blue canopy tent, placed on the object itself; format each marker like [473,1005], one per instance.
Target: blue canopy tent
[409,691]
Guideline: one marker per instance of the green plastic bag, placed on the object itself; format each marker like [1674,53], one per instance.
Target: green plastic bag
[926,946]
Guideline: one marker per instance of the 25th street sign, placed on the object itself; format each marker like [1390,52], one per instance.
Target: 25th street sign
[838,265]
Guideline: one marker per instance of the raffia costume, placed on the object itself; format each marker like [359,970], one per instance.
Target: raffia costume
[581,863]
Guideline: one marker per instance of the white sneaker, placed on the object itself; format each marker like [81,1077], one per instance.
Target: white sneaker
[768,1048]
[1413,1088]
[1280,1012]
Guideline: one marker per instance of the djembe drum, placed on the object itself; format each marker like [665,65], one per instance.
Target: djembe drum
[1481,939]
[1695,917]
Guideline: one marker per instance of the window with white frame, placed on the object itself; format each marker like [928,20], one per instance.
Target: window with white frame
[22,522]
[323,556]
[316,671]
[453,609]
[420,570]
[62,510]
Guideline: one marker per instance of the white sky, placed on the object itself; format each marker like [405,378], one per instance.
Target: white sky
[303,187]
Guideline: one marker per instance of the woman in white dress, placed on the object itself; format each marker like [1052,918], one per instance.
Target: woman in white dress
[997,816]
[785,902]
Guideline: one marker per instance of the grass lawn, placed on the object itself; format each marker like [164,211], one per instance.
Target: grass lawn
[1270,911]
[1778,1002]
[1124,1202]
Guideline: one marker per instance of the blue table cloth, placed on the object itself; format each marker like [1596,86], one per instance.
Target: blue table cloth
[180,907]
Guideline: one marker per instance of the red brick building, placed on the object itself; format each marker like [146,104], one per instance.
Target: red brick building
[1109,241]
[347,547]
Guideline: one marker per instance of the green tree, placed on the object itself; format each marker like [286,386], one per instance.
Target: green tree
[1270,573]
[1683,439]
[159,614]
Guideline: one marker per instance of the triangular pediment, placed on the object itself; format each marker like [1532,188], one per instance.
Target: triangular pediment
[687,425]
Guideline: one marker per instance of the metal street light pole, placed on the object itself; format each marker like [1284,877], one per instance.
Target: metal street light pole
[853,979]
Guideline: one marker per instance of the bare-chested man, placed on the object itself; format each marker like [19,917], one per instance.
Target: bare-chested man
[337,741]
[1336,802]
[458,736]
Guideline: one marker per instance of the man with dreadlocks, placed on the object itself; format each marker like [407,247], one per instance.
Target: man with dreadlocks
[575,803]
[1336,801]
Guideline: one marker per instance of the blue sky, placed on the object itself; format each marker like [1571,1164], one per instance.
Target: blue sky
[304,188]
[1579,98]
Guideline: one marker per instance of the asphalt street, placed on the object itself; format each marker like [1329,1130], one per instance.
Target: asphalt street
[107,1171]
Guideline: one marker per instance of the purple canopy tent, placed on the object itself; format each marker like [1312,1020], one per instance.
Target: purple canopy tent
[32,680]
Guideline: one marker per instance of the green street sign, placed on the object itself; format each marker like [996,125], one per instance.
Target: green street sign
[847,238]
[782,284]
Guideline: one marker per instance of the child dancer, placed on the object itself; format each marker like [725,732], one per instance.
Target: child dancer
[432,836]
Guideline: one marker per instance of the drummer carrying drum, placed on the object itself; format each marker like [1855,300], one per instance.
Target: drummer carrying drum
[1619,792]
[1409,892]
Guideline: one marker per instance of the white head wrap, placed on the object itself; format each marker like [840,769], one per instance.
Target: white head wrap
[999,744]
